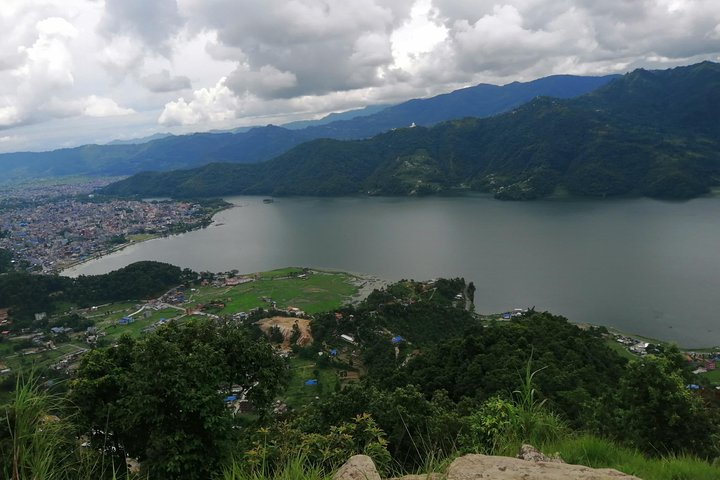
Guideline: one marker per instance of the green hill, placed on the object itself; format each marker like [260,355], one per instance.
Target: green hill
[255,144]
[650,133]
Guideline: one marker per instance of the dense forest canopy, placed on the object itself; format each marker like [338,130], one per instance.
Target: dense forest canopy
[434,379]
[651,133]
[250,145]
[26,294]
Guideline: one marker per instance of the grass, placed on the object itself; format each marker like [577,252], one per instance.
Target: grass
[713,376]
[586,450]
[297,468]
[599,453]
[113,330]
[39,440]
[319,292]
[42,359]
[281,272]
[620,349]
[297,393]
[142,237]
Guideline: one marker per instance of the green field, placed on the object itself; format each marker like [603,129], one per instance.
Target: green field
[297,393]
[620,349]
[43,359]
[713,376]
[142,237]
[318,292]
[113,330]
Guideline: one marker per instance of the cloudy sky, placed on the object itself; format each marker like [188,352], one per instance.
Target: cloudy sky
[89,71]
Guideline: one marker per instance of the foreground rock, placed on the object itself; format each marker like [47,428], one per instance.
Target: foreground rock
[530,453]
[485,467]
[359,467]
[477,467]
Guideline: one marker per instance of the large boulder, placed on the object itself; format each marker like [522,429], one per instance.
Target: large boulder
[358,467]
[477,467]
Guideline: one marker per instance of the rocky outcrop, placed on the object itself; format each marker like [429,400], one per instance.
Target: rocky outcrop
[486,467]
[477,467]
[359,467]
[532,454]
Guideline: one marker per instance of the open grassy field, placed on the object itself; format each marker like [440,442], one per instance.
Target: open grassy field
[318,292]
[113,330]
[298,393]
[43,359]
[314,291]
[713,376]
[620,349]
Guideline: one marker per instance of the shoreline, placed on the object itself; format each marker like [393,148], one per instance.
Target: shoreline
[367,282]
[153,236]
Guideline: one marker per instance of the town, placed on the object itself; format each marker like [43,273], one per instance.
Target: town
[49,233]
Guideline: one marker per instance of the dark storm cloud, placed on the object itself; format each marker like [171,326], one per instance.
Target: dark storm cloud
[152,21]
[304,47]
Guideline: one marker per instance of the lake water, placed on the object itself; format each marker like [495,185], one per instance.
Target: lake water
[649,267]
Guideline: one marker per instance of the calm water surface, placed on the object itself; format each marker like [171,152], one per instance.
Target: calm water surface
[645,266]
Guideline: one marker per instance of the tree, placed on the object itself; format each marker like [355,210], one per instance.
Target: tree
[160,399]
[654,411]
[5,259]
[276,335]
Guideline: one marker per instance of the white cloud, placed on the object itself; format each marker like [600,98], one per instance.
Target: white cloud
[47,68]
[9,115]
[123,54]
[278,60]
[9,138]
[417,36]
[326,46]
[49,61]
[103,107]
[215,104]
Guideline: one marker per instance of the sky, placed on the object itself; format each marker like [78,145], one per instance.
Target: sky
[89,71]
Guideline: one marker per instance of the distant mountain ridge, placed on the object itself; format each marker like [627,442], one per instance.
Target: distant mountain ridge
[135,141]
[652,133]
[263,143]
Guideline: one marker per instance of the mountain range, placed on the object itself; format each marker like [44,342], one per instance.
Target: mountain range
[652,133]
[263,143]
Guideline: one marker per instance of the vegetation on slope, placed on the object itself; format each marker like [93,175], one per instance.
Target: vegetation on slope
[262,143]
[436,381]
[26,294]
[646,133]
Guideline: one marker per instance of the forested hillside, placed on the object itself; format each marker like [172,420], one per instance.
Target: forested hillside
[430,379]
[650,133]
[262,143]
[26,294]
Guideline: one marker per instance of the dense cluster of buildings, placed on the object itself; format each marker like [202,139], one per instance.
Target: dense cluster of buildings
[47,190]
[51,236]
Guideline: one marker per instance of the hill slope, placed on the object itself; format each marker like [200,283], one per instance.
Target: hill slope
[263,143]
[650,133]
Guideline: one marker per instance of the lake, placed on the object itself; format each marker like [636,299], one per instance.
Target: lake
[645,266]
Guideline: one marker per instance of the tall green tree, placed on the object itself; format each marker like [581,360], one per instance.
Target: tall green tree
[654,410]
[160,399]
